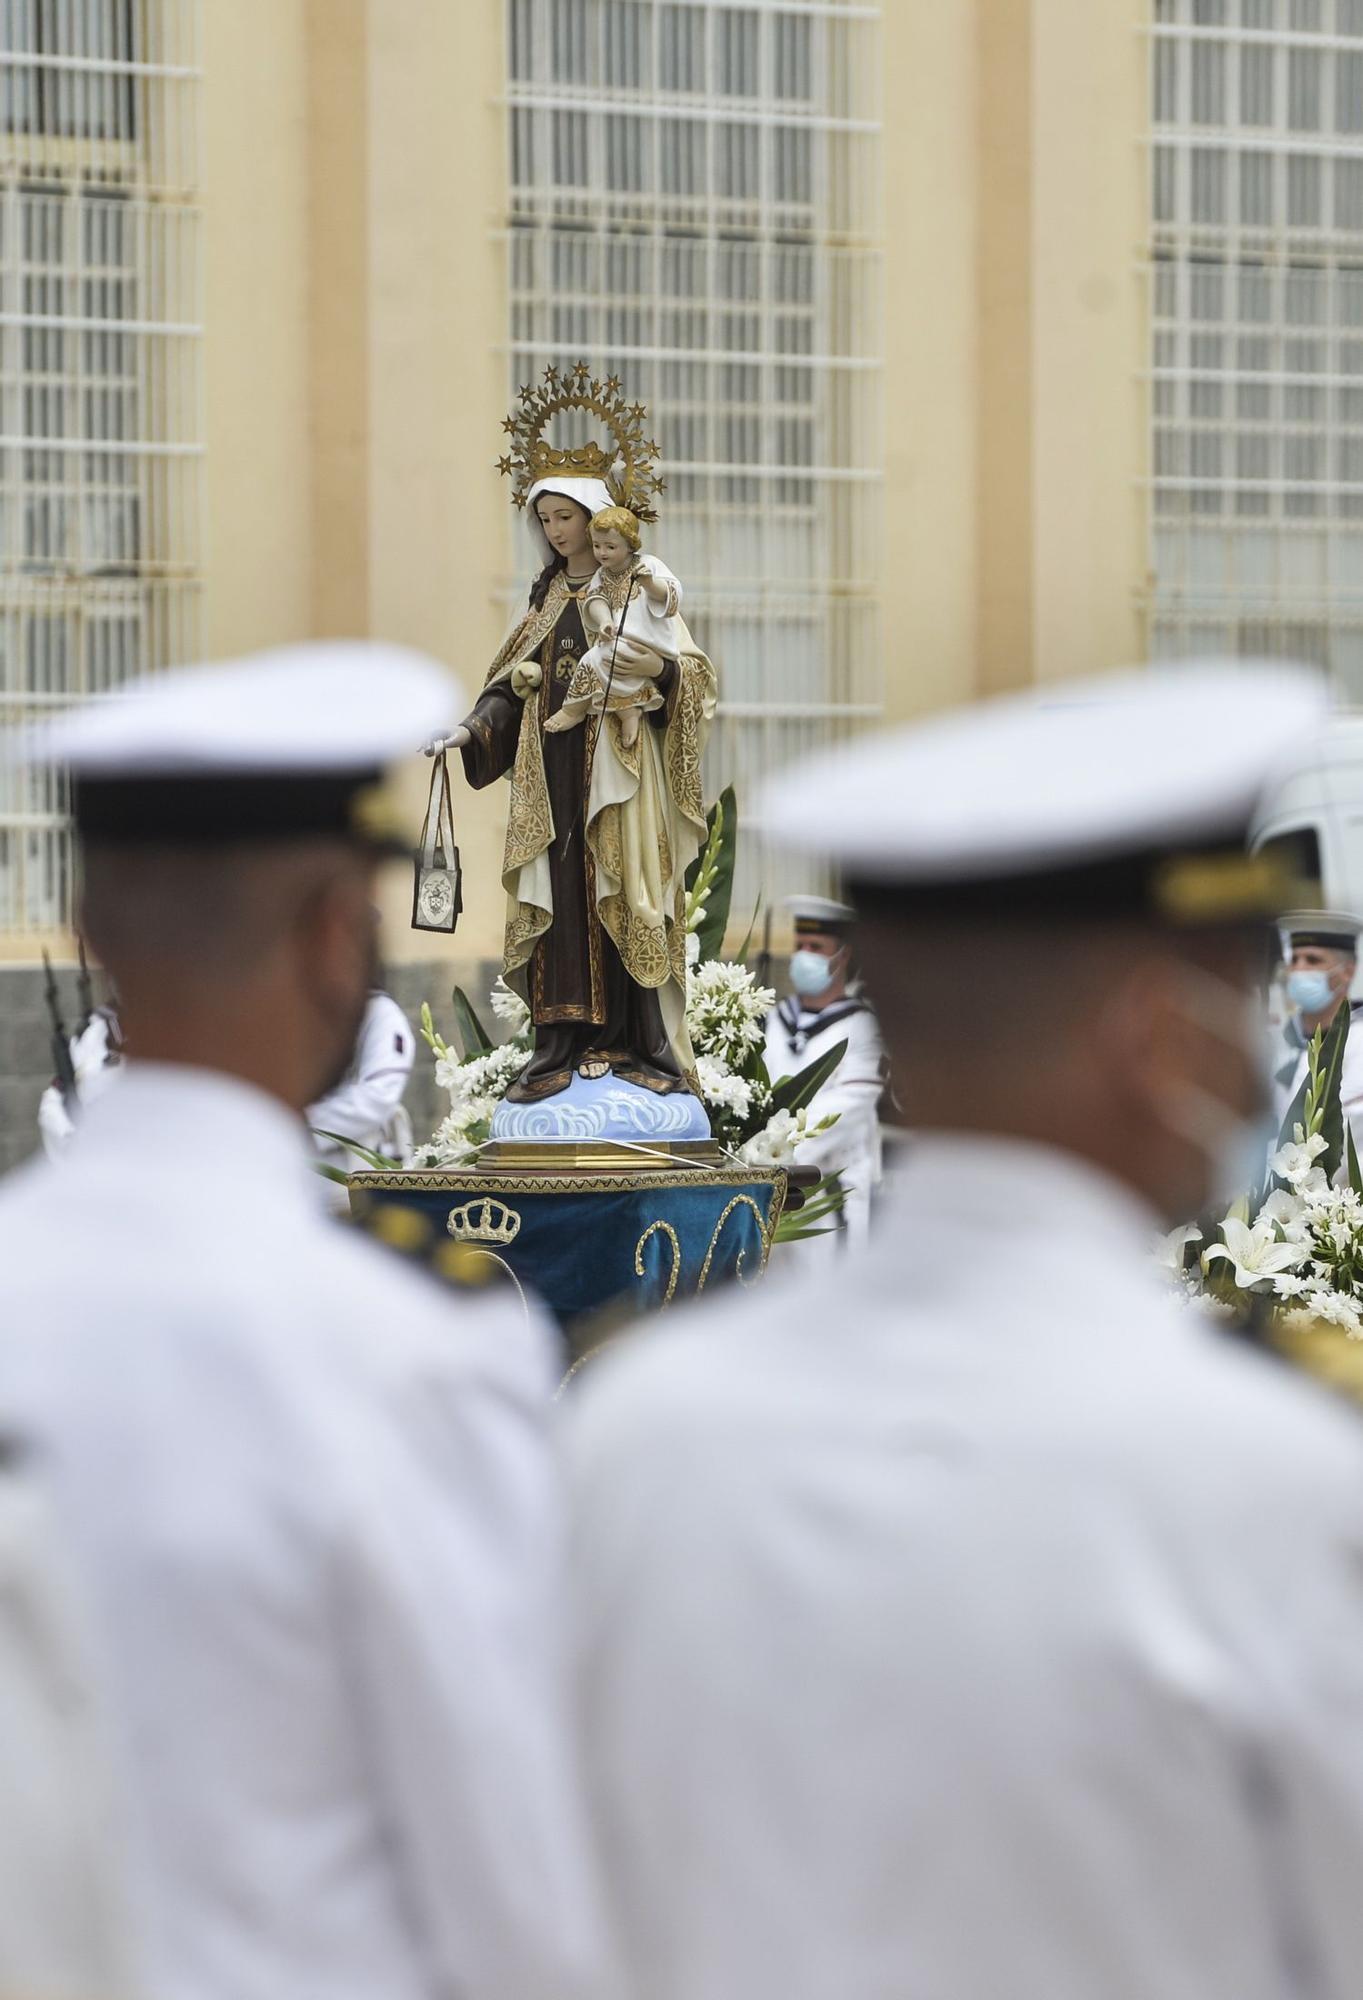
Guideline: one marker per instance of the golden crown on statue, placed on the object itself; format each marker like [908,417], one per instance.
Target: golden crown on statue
[484,1221]
[628,469]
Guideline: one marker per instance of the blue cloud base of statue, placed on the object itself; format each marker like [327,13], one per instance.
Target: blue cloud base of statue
[603,1108]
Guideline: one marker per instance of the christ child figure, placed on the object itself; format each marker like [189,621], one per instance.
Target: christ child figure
[629,611]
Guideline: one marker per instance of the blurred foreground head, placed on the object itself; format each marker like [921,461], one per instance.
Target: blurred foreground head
[1060,923]
[231,819]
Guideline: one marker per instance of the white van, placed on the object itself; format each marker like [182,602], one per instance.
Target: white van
[1318,809]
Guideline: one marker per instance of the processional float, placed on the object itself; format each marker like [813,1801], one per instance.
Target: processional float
[600,1180]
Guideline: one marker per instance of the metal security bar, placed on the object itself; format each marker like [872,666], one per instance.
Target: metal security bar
[101,421]
[695,208]
[1257,294]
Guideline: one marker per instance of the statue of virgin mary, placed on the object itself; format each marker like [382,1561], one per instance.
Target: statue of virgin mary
[600,832]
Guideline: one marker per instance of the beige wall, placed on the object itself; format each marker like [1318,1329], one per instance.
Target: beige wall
[1015,171]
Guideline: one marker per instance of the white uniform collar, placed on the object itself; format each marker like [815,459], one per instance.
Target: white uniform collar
[178,1113]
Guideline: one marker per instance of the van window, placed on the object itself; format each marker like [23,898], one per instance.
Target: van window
[1298,848]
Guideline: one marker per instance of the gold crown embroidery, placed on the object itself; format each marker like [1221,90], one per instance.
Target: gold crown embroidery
[627,471]
[484,1221]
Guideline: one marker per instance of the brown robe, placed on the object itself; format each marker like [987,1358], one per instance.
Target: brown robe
[582,1001]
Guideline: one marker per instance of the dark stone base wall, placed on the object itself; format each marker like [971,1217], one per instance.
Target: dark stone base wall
[26,1066]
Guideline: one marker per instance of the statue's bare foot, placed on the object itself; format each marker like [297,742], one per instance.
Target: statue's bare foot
[559,722]
[629,728]
[593,1067]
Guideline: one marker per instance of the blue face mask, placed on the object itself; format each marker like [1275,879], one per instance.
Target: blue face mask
[810,974]
[1310,992]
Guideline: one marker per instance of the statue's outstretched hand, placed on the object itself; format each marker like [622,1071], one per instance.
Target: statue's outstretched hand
[456,740]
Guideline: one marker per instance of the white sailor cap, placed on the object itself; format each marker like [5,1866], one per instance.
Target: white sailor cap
[1122,795]
[1335,929]
[286,743]
[823,914]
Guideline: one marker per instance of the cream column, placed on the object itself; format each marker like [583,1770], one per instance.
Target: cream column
[257,354]
[931,554]
[1005,302]
[338,411]
[1089,227]
[439,515]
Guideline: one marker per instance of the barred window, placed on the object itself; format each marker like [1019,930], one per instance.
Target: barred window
[1257,309]
[695,208]
[100,418]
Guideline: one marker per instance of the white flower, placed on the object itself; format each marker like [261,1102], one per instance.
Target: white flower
[476,1088]
[693,947]
[447,1068]
[726,1011]
[1169,1249]
[509,1007]
[775,1144]
[1336,1309]
[1295,1162]
[722,1087]
[448,1146]
[1255,1254]
[1286,1286]
[1289,1212]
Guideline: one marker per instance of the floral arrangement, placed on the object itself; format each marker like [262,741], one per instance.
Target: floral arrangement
[759,1122]
[1291,1250]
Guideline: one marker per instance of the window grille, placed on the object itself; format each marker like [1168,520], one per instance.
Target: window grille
[695,208]
[100,406]
[1257,294]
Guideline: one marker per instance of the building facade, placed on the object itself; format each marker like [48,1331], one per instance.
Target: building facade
[985,342]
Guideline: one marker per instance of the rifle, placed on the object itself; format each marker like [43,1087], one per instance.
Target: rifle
[61,1047]
[85,988]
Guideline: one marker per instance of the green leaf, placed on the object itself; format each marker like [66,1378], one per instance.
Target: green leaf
[1355,1171]
[741,955]
[380,1162]
[791,1228]
[792,1093]
[717,864]
[1330,1106]
[337,1174]
[474,1039]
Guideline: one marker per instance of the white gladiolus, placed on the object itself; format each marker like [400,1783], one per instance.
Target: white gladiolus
[509,1007]
[1295,1162]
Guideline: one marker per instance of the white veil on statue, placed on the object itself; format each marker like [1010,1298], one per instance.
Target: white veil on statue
[593,494]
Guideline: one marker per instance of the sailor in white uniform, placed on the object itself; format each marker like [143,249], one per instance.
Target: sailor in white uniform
[978,1620]
[365,1106]
[306,1492]
[1321,958]
[824,1007]
[367,1103]
[96,1051]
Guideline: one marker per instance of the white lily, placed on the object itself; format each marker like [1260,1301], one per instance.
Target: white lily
[1255,1254]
